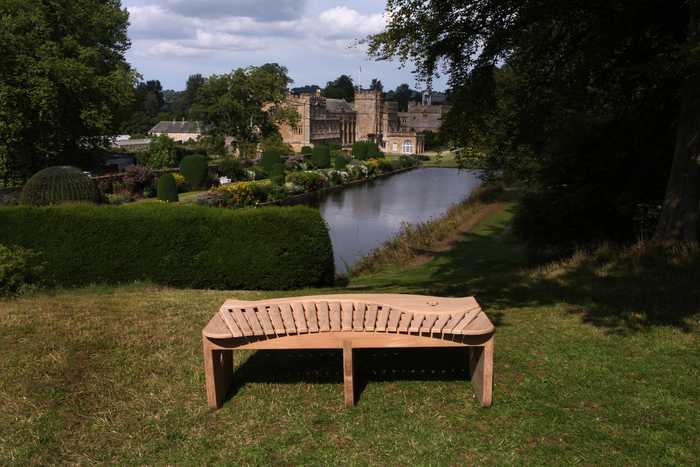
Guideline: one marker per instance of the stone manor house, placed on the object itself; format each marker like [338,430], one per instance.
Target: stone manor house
[324,120]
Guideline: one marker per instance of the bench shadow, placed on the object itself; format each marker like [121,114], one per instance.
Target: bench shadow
[371,365]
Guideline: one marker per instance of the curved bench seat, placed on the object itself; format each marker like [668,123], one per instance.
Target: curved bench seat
[348,321]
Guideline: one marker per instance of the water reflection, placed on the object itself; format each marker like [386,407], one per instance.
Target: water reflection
[363,217]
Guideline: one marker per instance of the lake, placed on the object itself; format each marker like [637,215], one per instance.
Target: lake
[362,217]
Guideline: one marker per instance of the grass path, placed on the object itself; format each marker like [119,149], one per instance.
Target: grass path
[113,375]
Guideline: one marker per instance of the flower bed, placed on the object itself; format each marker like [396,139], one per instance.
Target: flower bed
[300,180]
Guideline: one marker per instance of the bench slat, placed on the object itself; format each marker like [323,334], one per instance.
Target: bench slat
[299,318]
[324,323]
[287,318]
[428,323]
[440,324]
[370,317]
[454,319]
[405,321]
[230,323]
[358,317]
[416,322]
[346,316]
[382,318]
[394,316]
[276,318]
[242,322]
[250,315]
[466,321]
[264,319]
[311,319]
[335,317]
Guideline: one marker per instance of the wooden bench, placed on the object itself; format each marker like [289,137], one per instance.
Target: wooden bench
[347,322]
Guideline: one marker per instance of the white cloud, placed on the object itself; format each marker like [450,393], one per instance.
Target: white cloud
[171,33]
[342,22]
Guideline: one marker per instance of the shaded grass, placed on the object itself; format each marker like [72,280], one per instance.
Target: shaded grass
[103,374]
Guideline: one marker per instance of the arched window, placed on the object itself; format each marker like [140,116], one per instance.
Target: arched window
[407,147]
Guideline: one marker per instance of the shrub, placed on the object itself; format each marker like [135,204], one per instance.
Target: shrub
[242,194]
[162,153]
[183,246]
[308,181]
[195,169]
[334,146]
[180,182]
[306,150]
[359,150]
[137,178]
[340,161]
[60,184]
[321,156]
[277,174]
[167,189]
[20,270]
[233,169]
[270,158]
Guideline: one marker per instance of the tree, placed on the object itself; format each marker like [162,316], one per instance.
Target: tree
[403,95]
[162,153]
[376,85]
[64,81]
[584,110]
[341,88]
[247,104]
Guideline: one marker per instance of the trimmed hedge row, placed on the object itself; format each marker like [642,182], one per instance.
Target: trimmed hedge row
[182,246]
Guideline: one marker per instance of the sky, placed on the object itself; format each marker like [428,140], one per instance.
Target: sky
[317,40]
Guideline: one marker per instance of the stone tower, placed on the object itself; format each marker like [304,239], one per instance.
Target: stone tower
[369,106]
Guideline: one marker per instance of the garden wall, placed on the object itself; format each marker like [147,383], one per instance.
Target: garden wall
[275,248]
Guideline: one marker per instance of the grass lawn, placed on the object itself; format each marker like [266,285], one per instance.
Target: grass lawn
[592,367]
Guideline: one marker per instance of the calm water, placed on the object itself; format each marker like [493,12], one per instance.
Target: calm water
[363,217]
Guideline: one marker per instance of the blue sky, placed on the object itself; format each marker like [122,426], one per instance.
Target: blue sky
[314,39]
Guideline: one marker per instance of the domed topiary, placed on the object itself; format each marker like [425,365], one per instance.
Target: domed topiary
[195,169]
[59,184]
[306,150]
[167,189]
[340,162]
[270,158]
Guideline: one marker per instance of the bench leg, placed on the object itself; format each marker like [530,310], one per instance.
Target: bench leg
[481,368]
[348,383]
[218,371]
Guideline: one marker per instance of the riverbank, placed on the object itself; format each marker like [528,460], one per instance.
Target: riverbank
[415,244]
[597,362]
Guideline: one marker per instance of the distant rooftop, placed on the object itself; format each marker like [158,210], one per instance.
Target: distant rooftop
[182,126]
[339,105]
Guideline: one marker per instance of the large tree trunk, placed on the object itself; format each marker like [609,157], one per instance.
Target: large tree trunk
[679,216]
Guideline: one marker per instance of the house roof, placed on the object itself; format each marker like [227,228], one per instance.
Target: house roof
[182,126]
[338,105]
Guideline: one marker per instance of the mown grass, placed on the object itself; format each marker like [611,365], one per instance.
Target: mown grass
[590,369]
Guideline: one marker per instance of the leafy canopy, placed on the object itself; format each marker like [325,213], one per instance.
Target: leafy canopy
[64,81]
[247,103]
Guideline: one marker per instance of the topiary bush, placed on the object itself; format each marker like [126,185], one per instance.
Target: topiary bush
[321,156]
[167,189]
[20,270]
[277,174]
[359,150]
[270,158]
[195,169]
[340,161]
[306,150]
[183,246]
[60,184]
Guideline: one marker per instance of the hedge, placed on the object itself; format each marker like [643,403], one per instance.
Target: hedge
[181,246]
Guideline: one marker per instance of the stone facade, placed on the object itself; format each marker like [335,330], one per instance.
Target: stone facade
[180,131]
[325,120]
